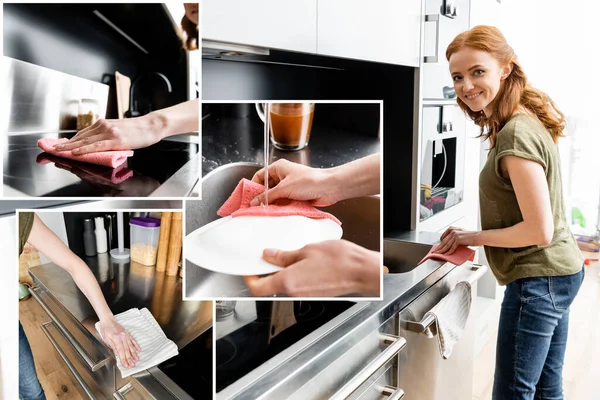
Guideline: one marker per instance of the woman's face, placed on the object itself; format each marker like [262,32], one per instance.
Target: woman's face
[191,11]
[477,77]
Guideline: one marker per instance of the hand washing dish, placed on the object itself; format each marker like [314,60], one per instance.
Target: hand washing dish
[234,244]
[107,158]
[144,233]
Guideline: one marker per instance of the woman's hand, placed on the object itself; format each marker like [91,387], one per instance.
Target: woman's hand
[326,269]
[454,237]
[116,134]
[120,341]
[293,181]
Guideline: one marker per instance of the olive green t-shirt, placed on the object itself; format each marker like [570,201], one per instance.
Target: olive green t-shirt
[524,136]
[25,225]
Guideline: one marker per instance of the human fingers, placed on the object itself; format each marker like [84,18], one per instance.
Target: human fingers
[101,145]
[284,258]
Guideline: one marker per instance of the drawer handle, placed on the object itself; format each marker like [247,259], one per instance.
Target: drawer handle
[93,365]
[392,393]
[434,18]
[426,326]
[120,394]
[397,344]
[62,355]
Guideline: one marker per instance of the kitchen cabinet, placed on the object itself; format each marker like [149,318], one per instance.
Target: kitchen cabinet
[275,24]
[385,31]
[444,20]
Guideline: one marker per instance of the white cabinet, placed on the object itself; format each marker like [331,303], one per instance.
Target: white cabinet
[385,31]
[275,24]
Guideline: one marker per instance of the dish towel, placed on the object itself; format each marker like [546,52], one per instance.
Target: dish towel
[238,205]
[461,255]
[144,329]
[107,158]
[450,316]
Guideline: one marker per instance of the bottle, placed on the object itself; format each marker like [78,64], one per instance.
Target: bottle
[89,238]
[101,242]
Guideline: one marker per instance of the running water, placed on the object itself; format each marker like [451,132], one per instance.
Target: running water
[266,151]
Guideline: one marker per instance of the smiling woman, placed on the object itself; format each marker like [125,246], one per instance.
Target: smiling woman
[525,234]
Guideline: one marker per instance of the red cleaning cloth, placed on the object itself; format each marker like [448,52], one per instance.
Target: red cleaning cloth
[107,158]
[94,173]
[238,204]
[461,255]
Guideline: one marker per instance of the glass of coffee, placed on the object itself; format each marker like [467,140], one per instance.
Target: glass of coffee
[291,124]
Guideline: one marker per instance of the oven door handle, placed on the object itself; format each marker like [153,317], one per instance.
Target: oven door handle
[70,365]
[396,345]
[426,326]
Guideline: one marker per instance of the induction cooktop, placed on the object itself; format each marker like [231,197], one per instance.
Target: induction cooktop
[32,172]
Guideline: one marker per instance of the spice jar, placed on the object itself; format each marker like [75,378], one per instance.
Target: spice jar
[88,113]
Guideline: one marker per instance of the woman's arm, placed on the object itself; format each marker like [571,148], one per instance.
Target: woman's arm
[537,228]
[48,244]
[135,133]
[531,188]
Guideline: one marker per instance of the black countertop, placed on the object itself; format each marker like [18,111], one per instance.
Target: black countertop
[228,140]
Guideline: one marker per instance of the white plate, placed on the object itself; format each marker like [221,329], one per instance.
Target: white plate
[234,245]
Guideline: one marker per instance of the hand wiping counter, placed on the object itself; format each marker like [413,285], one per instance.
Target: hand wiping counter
[107,158]
[144,329]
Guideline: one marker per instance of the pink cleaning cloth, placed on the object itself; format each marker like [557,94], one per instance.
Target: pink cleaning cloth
[461,255]
[98,173]
[107,158]
[238,204]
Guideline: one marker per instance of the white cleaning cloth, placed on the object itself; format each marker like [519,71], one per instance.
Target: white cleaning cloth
[451,315]
[144,329]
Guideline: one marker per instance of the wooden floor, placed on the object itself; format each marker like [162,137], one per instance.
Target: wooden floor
[582,360]
[55,377]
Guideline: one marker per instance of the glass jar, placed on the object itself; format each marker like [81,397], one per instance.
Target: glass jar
[87,114]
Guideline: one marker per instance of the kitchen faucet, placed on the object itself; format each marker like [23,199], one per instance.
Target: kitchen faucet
[135,113]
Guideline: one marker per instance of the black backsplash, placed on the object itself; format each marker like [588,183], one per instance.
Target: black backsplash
[71,39]
[340,80]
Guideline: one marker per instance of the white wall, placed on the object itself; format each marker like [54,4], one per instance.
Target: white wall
[56,222]
[557,42]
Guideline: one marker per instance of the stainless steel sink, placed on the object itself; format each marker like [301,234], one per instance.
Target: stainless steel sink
[360,222]
[401,257]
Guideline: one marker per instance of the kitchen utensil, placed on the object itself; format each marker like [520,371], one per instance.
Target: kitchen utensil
[234,245]
[290,123]
[282,317]
[123,84]
[163,241]
[120,253]
[175,244]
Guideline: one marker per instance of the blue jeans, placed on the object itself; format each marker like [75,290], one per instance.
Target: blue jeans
[29,385]
[532,337]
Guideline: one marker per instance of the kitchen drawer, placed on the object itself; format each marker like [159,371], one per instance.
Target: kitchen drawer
[91,359]
[85,378]
[356,373]
[151,384]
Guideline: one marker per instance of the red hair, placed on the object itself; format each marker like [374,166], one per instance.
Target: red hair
[514,91]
